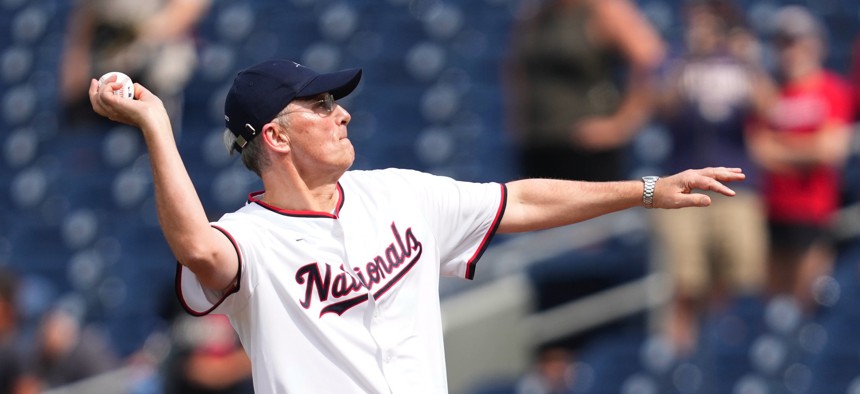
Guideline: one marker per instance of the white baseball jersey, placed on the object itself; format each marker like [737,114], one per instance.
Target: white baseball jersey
[348,301]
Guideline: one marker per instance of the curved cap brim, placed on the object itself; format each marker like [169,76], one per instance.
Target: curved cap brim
[339,84]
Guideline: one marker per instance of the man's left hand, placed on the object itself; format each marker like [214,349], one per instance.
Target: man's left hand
[676,191]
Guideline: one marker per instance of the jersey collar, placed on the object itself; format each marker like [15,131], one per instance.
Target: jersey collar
[254,197]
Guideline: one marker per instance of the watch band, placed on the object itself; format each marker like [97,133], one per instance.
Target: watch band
[650,183]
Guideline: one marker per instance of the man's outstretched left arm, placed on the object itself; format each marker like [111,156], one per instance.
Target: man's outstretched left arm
[537,204]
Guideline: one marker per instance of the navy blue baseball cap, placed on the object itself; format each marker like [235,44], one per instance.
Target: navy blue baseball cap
[261,91]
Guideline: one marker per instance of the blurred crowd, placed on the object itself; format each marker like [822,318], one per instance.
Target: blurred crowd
[729,96]
[583,78]
[58,347]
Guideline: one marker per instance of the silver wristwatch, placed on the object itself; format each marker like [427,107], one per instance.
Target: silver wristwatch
[648,190]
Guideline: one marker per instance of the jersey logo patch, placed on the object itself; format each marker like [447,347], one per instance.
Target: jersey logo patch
[385,270]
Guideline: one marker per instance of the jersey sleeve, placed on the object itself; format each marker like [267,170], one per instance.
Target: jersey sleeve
[198,300]
[463,216]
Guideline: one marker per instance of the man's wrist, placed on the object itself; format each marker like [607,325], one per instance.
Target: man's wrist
[649,185]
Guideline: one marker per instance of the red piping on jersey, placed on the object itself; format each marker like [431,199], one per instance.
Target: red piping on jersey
[235,289]
[470,266]
[253,198]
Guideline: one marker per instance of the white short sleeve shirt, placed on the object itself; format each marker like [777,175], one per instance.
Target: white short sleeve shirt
[348,301]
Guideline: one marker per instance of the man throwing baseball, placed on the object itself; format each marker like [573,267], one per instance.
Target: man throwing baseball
[329,276]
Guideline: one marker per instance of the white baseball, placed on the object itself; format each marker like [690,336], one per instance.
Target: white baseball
[127,90]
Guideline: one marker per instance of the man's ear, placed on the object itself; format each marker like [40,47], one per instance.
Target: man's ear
[276,137]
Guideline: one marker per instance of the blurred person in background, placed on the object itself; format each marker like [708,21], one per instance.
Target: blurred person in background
[151,41]
[571,114]
[554,372]
[580,79]
[68,352]
[712,90]
[15,377]
[855,76]
[207,358]
[801,144]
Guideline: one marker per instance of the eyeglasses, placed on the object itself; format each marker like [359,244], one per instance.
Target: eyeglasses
[322,107]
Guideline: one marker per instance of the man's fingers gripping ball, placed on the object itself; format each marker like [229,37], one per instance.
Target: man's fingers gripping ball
[116,77]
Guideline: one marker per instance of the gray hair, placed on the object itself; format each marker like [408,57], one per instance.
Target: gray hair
[252,155]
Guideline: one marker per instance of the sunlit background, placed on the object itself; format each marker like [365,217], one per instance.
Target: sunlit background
[78,222]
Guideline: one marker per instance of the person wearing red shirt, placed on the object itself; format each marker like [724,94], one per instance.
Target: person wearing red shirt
[801,144]
[855,76]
